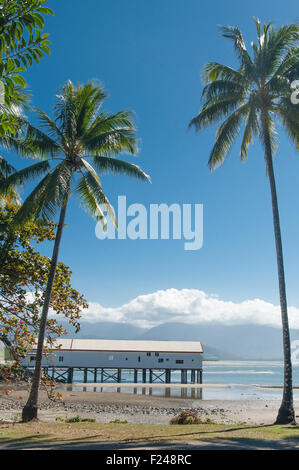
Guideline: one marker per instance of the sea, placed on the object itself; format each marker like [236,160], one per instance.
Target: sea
[222,380]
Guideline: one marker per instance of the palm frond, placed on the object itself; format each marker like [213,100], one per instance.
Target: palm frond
[91,170]
[215,71]
[213,113]
[50,125]
[89,100]
[226,135]
[221,89]
[234,33]
[6,168]
[111,134]
[115,166]
[252,128]
[41,144]
[48,195]
[32,206]
[65,111]
[95,200]
[30,172]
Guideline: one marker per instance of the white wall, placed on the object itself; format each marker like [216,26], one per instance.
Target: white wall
[121,360]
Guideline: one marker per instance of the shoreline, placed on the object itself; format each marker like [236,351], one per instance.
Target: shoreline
[145,385]
[140,408]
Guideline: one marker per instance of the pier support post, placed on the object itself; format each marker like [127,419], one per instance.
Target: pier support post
[151,376]
[199,376]
[183,376]
[70,375]
[135,376]
[144,376]
[95,377]
[118,375]
[85,375]
[193,376]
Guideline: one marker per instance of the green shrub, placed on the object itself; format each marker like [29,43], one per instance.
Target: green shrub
[187,417]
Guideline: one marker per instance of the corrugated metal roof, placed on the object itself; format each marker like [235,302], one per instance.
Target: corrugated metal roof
[130,345]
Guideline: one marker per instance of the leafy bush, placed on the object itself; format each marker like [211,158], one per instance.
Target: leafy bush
[187,417]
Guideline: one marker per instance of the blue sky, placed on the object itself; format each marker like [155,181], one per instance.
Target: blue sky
[149,55]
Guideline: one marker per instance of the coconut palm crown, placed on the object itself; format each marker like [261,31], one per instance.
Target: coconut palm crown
[256,96]
[79,142]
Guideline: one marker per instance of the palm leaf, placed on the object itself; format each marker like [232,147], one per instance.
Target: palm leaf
[115,166]
[94,199]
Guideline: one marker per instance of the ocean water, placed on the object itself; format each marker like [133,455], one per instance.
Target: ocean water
[268,373]
[239,380]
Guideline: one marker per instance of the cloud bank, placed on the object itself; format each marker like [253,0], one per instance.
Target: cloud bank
[189,306]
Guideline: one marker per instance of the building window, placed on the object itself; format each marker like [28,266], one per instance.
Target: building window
[157,354]
[179,361]
[148,354]
[32,358]
[160,360]
[139,358]
[110,358]
[60,358]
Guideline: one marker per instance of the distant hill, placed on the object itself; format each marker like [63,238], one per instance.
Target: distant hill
[222,342]
[106,330]
[255,342]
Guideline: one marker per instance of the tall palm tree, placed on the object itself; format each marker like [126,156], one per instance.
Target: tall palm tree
[79,132]
[256,94]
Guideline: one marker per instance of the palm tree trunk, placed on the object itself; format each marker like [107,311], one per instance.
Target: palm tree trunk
[286,414]
[30,409]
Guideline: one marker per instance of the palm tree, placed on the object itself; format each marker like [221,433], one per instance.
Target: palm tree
[78,133]
[256,94]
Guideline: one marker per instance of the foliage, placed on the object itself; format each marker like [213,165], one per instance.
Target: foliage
[23,277]
[259,87]
[78,133]
[21,43]
[187,417]
[11,180]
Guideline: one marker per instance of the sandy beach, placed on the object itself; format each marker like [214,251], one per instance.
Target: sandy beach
[106,406]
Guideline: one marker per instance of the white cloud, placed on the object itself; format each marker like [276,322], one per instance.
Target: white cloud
[189,306]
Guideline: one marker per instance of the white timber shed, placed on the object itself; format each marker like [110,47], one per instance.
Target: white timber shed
[122,354]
